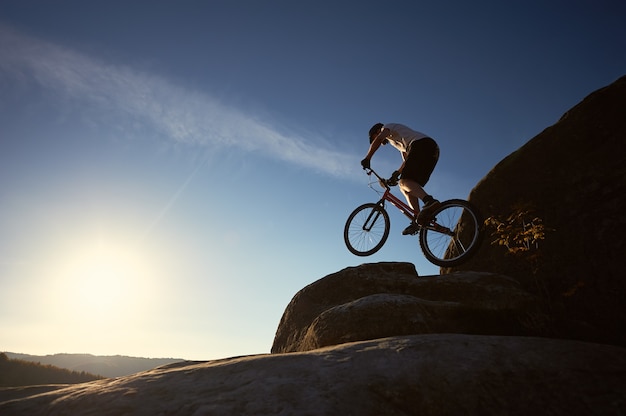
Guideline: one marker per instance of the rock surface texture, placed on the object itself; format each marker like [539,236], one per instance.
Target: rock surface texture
[414,375]
[387,299]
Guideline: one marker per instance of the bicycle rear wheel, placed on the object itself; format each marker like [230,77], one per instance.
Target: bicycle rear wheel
[454,235]
[366,229]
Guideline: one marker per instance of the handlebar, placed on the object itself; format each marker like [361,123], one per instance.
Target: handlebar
[382,181]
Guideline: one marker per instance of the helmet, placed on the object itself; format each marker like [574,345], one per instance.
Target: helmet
[376,128]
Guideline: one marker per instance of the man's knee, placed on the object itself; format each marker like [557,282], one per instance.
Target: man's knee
[407,184]
[411,187]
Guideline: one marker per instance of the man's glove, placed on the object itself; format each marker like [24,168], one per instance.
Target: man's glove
[393,181]
[365,163]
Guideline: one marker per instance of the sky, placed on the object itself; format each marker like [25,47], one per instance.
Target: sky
[173,173]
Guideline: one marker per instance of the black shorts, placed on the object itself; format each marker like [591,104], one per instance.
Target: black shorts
[421,160]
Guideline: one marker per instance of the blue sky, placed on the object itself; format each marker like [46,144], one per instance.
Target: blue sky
[172,173]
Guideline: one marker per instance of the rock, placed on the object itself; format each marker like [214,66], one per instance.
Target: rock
[424,374]
[388,299]
[573,176]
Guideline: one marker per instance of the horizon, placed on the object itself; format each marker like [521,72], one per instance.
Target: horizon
[169,185]
[91,355]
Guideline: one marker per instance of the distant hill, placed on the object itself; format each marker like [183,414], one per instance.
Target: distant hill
[107,366]
[15,372]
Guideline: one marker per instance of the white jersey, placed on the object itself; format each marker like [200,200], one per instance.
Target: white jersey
[401,136]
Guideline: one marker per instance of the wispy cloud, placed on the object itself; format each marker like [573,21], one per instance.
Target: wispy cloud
[184,116]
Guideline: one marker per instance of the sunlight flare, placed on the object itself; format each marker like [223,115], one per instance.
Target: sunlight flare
[106,283]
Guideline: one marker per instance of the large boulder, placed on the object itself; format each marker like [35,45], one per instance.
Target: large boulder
[387,299]
[572,176]
[421,375]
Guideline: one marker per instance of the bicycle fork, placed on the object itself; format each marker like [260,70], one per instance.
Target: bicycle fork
[373,216]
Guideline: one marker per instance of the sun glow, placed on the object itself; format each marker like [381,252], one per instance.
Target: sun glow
[103,280]
[105,283]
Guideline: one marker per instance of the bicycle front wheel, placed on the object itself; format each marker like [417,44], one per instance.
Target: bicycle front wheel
[367,229]
[454,235]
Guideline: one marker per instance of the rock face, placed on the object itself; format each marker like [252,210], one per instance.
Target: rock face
[425,375]
[573,176]
[388,299]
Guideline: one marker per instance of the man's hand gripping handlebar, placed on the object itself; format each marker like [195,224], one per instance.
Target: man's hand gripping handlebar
[385,183]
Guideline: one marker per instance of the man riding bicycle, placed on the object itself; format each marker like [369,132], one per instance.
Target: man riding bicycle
[420,154]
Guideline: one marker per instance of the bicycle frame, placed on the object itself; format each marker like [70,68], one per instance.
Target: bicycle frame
[401,205]
[394,200]
[448,236]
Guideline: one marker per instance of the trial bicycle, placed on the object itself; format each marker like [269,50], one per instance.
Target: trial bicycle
[449,237]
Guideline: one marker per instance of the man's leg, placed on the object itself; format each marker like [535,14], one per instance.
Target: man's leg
[413,192]
[418,166]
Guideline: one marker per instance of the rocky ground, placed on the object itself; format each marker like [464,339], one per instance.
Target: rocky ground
[420,374]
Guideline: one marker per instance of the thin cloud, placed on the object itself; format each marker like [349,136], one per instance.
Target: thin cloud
[184,116]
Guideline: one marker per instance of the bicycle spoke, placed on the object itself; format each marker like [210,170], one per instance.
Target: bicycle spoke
[367,229]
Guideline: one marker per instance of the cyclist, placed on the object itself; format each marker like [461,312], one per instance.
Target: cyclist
[420,154]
